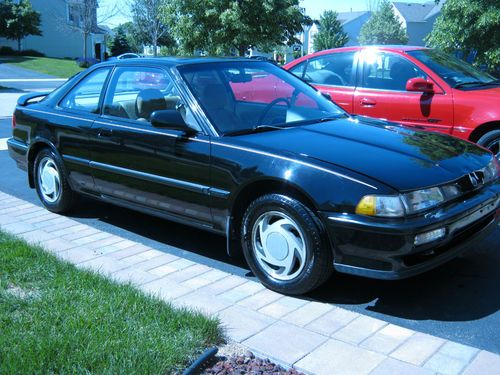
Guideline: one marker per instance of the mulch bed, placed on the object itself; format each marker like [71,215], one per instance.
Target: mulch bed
[247,364]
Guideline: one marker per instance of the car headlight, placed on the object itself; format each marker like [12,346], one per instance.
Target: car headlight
[422,199]
[381,205]
[408,203]
[491,171]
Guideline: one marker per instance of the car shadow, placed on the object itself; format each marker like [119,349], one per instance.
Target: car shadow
[179,237]
[464,289]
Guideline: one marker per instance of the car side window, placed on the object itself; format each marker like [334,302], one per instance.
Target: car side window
[85,96]
[298,69]
[388,71]
[333,69]
[136,92]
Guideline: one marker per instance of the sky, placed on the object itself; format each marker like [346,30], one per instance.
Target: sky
[314,8]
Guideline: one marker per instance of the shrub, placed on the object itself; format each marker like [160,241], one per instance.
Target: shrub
[7,51]
[83,62]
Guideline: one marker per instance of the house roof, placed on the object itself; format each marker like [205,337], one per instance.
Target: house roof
[346,17]
[417,12]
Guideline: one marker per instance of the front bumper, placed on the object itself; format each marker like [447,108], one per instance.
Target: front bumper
[384,248]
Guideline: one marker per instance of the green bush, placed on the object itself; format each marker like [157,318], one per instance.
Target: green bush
[8,51]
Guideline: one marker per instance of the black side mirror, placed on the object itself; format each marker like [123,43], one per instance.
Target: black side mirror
[170,119]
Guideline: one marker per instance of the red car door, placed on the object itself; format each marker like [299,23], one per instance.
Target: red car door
[381,92]
[332,73]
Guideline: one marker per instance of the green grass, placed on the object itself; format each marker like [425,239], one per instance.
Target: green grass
[56,67]
[55,318]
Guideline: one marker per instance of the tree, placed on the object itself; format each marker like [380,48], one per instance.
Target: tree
[331,33]
[383,27]
[119,44]
[469,26]
[219,26]
[149,22]
[19,20]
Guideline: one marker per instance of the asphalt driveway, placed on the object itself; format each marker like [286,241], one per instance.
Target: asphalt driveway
[21,79]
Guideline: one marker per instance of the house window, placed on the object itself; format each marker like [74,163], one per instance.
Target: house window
[75,14]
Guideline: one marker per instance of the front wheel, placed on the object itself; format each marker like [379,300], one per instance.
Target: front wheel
[491,141]
[284,245]
[51,184]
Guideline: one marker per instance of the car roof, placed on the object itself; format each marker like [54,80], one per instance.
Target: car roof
[177,61]
[382,47]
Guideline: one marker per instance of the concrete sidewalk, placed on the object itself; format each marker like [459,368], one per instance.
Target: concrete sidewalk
[315,338]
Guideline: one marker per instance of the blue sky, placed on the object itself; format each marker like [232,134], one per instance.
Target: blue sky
[313,8]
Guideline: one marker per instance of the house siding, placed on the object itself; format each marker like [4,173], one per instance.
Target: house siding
[353,28]
[58,39]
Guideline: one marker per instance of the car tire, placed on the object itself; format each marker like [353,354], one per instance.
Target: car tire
[293,258]
[491,141]
[51,183]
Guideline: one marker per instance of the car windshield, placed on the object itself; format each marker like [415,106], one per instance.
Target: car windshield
[247,96]
[454,71]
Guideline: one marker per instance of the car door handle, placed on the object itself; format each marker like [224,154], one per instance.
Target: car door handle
[365,102]
[105,133]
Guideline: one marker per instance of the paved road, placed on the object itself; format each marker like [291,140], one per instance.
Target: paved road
[459,301]
[25,79]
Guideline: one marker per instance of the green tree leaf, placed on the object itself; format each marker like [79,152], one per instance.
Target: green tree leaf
[383,27]
[219,26]
[469,26]
[331,33]
[18,20]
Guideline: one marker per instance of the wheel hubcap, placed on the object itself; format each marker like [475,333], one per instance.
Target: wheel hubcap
[278,245]
[49,180]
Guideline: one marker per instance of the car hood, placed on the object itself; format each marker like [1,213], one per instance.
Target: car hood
[394,155]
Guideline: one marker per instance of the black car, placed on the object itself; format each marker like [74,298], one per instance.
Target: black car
[247,150]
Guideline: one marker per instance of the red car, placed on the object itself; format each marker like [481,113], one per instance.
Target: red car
[415,86]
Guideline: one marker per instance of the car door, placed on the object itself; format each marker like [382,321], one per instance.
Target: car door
[75,114]
[381,93]
[133,162]
[332,73]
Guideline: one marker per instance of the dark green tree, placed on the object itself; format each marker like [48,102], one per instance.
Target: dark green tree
[219,26]
[19,20]
[469,25]
[119,43]
[330,32]
[383,27]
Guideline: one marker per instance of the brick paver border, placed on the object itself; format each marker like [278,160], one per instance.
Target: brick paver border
[314,337]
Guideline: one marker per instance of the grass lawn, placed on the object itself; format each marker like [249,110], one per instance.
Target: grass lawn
[55,318]
[56,67]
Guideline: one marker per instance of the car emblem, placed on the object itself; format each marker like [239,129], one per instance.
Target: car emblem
[476,178]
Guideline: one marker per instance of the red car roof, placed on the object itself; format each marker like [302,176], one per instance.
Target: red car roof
[391,48]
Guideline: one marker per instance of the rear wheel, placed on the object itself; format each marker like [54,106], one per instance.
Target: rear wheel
[284,245]
[50,182]
[491,141]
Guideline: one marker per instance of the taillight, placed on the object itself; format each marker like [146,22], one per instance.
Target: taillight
[13,121]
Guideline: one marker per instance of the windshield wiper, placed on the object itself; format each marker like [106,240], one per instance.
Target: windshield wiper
[257,129]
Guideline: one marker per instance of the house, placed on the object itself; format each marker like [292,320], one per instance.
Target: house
[61,23]
[352,23]
[418,19]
